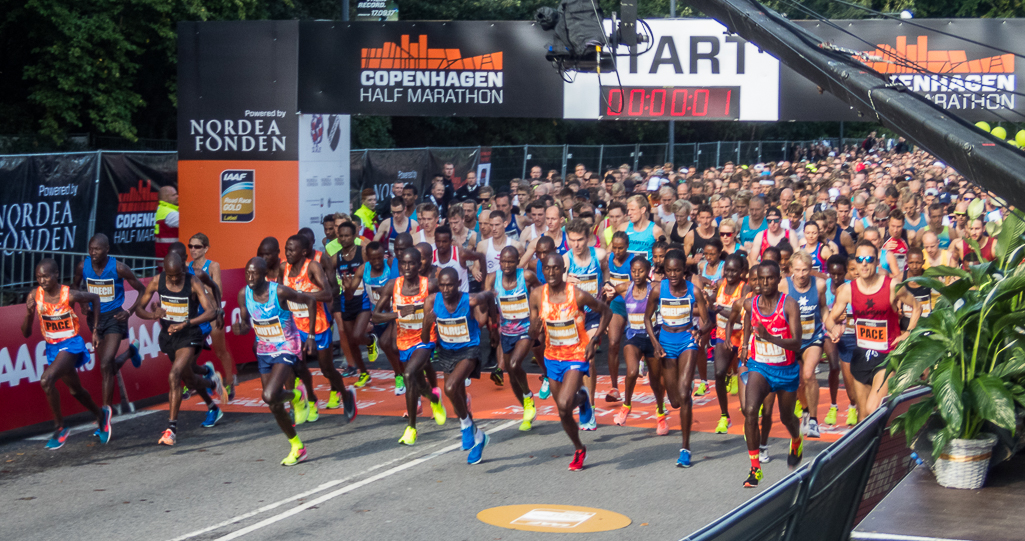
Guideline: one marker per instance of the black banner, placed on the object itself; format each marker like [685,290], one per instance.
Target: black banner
[236,100]
[463,160]
[125,209]
[466,68]
[382,168]
[46,201]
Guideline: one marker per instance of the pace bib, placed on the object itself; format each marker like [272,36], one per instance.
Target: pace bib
[872,334]
[57,327]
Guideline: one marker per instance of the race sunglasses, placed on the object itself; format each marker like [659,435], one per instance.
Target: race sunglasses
[865,259]
[196,246]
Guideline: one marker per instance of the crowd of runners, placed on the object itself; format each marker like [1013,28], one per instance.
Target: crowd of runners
[765,272]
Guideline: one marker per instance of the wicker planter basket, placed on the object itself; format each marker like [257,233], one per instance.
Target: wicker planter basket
[964,463]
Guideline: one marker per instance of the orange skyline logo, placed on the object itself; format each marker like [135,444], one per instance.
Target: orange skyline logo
[417,56]
[945,62]
[140,198]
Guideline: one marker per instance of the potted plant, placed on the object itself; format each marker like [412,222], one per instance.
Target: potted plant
[971,352]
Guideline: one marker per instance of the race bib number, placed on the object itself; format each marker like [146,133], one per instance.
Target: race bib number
[872,334]
[618,279]
[453,330]
[299,309]
[359,290]
[637,322]
[587,282]
[375,294]
[675,312]
[642,255]
[269,330]
[514,306]
[849,327]
[103,288]
[721,321]
[57,327]
[176,309]
[769,353]
[414,321]
[807,326]
[562,333]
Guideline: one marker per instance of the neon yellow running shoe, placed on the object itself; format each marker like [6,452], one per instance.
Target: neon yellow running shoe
[798,409]
[734,385]
[372,351]
[852,416]
[312,414]
[363,380]
[299,403]
[702,389]
[438,408]
[297,455]
[529,414]
[334,400]
[724,424]
[831,416]
[408,437]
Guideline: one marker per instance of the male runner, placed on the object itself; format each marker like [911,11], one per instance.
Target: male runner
[810,294]
[448,255]
[65,349]
[372,278]
[586,268]
[180,338]
[772,333]
[558,306]
[396,225]
[348,265]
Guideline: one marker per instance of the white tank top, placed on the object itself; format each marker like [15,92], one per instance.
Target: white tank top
[453,262]
[494,255]
[420,237]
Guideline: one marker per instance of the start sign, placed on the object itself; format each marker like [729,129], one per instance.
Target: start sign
[553,518]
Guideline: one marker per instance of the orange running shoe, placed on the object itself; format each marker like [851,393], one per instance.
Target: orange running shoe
[168,438]
[621,415]
[663,424]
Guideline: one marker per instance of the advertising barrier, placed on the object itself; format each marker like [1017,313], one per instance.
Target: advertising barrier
[128,194]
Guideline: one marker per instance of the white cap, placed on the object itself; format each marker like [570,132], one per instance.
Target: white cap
[833,194]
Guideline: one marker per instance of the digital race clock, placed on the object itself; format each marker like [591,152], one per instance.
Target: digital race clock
[671,103]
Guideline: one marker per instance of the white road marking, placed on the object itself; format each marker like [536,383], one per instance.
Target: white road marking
[344,490]
[92,426]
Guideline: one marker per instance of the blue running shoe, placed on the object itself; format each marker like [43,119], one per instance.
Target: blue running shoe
[213,415]
[684,461]
[546,389]
[103,432]
[58,439]
[477,452]
[468,438]
[133,353]
[587,420]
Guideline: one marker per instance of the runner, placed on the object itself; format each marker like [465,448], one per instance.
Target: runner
[642,232]
[877,325]
[618,266]
[839,269]
[180,338]
[459,259]
[277,344]
[449,322]
[676,345]
[769,345]
[926,296]
[813,244]
[105,276]
[270,252]
[934,255]
[349,267]
[893,255]
[428,219]
[810,294]
[697,238]
[65,349]
[708,276]
[374,275]
[728,336]
[492,247]
[391,228]
[944,233]
[199,245]
[558,306]
[773,235]
[544,246]
[585,268]
[402,301]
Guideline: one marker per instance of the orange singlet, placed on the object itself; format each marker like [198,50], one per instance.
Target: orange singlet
[58,321]
[407,329]
[300,313]
[564,327]
[725,303]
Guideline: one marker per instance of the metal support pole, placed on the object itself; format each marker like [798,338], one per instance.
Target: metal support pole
[565,151]
[672,123]
[345,10]
[637,155]
[841,135]
[96,196]
[601,159]
[524,175]
[718,154]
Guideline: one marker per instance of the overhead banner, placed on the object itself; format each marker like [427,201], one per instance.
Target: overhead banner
[377,10]
[129,192]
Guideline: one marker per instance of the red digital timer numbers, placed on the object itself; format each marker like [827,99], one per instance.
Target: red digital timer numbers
[665,103]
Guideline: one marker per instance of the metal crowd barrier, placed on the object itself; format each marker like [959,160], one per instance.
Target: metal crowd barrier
[821,500]
[17,270]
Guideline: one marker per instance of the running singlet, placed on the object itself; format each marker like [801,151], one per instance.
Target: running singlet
[817,263]
[513,305]
[205,327]
[563,245]
[714,277]
[766,245]
[641,241]
[492,254]
[108,285]
[345,268]
[900,249]
[457,329]
[540,275]
[776,324]
[564,327]
[925,296]
[944,238]
[275,330]
[746,233]
[677,312]
[876,323]
[453,262]
[373,286]
[811,312]
[513,229]
[724,302]
[635,313]
[57,321]
[300,312]
[944,259]
[831,300]
[179,306]
[588,275]
[407,328]
[393,234]
[840,249]
[619,274]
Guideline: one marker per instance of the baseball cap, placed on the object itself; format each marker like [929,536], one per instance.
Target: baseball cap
[944,198]
[833,194]
[932,191]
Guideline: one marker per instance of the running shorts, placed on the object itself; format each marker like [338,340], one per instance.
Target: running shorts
[675,343]
[642,343]
[780,378]
[109,325]
[845,347]
[189,337]
[592,320]
[557,369]
[74,345]
[865,363]
[618,306]
[509,341]
[323,339]
[447,359]
[266,362]
[405,354]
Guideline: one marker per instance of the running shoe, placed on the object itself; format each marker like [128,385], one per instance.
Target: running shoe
[186,393]
[363,380]
[798,408]
[753,478]
[831,416]
[724,424]
[733,385]
[613,396]
[852,416]
[349,402]
[168,438]
[372,352]
[103,432]
[813,429]
[763,454]
[334,400]
[684,460]
[662,420]
[219,389]
[297,455]
[438,408]
[587,420]
[529,413]
[58,439]
[210,370]
[496,376]
[408,437]
[805,417]
[467,436]
[213,415]
[349,371]
[467,382]
[795,456]
[313,413]
[133,353]
[702,388]
[231,388]
[546,389]
[477,452]
[622,414]
[300,405]
[400,385]
[578,460]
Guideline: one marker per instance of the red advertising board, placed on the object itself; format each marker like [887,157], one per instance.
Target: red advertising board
[23,360]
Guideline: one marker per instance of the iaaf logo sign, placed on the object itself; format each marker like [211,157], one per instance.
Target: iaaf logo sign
[334,132]
[411,72]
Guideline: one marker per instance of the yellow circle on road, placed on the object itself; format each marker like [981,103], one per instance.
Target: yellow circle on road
[553,518]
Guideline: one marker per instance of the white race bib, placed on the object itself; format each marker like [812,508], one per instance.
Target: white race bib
[103,288]
[562,333]
[453,330]
[587,282]
[299,310]
[769,353]
[269,330]
[414,321]
[807,326]
[514,306]
[675,312]
[176,308]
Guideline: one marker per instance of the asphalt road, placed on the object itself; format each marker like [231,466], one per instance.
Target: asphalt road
[225,482]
